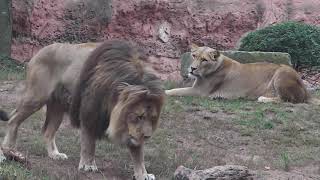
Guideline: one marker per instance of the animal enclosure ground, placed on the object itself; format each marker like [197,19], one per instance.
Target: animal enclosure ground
[275,141]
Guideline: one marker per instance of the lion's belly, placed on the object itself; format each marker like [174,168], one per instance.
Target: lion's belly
[244,90]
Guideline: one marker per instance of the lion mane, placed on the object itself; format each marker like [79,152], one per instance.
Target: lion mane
[107,72]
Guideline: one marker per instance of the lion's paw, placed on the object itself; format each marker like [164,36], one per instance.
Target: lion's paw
[92,168]
[145,177]
[150,177]
[58,156]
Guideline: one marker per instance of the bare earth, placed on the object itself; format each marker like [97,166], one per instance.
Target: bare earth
[275,141]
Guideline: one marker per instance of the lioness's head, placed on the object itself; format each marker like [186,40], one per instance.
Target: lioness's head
[205,61]
[135,116]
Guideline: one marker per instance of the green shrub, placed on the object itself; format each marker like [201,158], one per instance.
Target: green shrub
[300,40]
[10,69]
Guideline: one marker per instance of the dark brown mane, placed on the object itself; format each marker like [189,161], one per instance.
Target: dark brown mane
[107,69]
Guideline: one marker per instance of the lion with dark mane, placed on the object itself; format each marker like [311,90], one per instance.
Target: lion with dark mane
[104,88]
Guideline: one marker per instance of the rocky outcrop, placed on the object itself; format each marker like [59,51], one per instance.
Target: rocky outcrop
[164,28]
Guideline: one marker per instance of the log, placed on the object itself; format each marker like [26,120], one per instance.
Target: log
[14,155]
[227,172]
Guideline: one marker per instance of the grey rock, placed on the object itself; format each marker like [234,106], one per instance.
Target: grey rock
[256,56]
[227,172]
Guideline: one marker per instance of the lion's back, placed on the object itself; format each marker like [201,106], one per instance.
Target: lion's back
[252,80]
[63,60]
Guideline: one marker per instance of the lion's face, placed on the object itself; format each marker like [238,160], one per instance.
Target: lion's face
[205,61]
[142,120]
[136,117]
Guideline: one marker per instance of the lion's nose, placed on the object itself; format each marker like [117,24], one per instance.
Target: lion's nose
[192,69]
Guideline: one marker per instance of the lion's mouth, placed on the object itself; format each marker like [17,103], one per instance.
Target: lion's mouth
[192,75]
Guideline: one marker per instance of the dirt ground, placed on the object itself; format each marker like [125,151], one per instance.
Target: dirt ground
[275,141]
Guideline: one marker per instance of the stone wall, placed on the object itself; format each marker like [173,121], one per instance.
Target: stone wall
[163,27]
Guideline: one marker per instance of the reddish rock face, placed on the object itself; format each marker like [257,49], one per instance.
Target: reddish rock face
[164,28]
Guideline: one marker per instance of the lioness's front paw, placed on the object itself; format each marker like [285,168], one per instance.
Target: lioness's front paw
[58,156]
[85,167]
[145,177]
[167,92]
[264,99]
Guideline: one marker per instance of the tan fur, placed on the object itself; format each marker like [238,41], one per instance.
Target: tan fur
[53,65]
[218,76]
[52,78]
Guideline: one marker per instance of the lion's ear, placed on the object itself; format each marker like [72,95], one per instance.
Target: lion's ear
[193,47]
[214,54]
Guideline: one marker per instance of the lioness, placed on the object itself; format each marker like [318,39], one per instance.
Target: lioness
[105,87]
[218,76]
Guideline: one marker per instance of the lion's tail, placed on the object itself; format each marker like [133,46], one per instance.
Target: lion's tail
[3,115]
[314,101]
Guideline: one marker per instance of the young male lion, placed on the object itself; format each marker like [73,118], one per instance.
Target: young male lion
[110,90]
[218,76]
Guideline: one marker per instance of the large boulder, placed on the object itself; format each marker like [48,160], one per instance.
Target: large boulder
[242,57]
[251,57]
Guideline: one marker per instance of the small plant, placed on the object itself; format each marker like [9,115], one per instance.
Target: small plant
[10,69]
[285,160]
[300,40]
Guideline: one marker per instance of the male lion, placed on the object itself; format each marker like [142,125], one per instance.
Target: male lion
[218,76]
[110,90]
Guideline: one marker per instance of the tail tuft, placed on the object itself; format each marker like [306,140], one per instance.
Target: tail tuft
[3,115]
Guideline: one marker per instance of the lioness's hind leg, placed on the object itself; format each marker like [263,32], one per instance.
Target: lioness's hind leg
[290,87]
[54,117]
[293,92]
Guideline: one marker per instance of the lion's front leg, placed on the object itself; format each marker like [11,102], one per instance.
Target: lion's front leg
[188,91]
[140,172]
[88,146]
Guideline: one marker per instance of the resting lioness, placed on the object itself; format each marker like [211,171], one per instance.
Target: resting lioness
[218,76]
